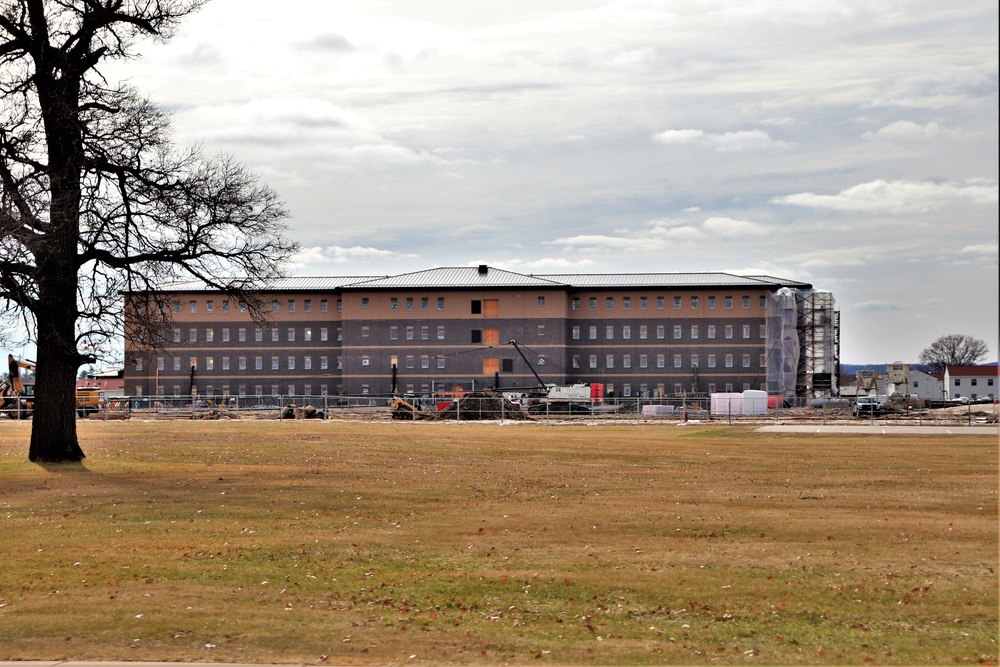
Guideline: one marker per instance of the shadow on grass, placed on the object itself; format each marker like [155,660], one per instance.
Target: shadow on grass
[63,467]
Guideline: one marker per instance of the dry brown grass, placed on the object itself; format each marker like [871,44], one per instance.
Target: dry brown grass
[475,543]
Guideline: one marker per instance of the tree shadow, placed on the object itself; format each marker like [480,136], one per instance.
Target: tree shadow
[63,466]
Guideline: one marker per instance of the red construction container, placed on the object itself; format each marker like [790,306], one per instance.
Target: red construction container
[597,392]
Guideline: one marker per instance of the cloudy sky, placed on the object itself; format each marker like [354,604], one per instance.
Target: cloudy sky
[849,144]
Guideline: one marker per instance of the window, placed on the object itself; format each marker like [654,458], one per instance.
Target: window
[609,361]
[746,331]
[324,334]
[958,382]
[592,332]
[711,331]
[746,361]
[393,333]
[177,335]
[609,332]
[225,363]
[477,337]
[643,332]
[593,303]
[193,335]
[626,332]
[762,331]
[177,306]
[440,362]
[711,303]
[291,305]
[243,307]
[138,364]
[324,305]
[425,333]
[694,303]
[225,306]
[209,306]
[364,302]
[242,364]
[258,363]
[729,361]
[291,335]
[661,331]
[324,363]
[507,365]
[643,303]
[677,332]
[440,333]
[364,331]
[409,303]
[729,331]
[393,303]
[159,364]
[762,362]
[660,361]
[258,334]
[209,335]
[576,361]
[425,362]
[677,303]
[627,361]
[274,363]
[194,306]
[694,361]
[424,303]
[307,305]
[440,303]
[541,301]
[575,303]
[241,335]
[593,361]
[746,302]
[575,333]
[729,303]
[677,361]
[626,303]
[541,329]
[694,331]
[274,305]
[711,361]
[409,333]
[225,335]
[364,360]
[307,334]
[477,307]
[643,361]
[974,381]
[177,363]
[763,301]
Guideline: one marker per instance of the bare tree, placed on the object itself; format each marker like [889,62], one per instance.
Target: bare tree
[97,202]
[954,350]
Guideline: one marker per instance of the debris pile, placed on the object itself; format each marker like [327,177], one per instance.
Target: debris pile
[482,405]
[295,412]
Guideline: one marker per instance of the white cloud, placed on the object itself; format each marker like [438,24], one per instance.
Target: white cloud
[732,228]
[727,142]
[905,130]
[897,196]
[309,258]
[989,248]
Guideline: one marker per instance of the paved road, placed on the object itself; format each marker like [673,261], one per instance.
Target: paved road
[881,429]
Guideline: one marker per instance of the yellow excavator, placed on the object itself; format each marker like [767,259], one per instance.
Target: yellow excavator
[17,399]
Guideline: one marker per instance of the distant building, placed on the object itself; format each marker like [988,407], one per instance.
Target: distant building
[971,381]
[111,381]
[450,328]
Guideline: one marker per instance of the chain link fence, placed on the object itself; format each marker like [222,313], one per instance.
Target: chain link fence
[488,406]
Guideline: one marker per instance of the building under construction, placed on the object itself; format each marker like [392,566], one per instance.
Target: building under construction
[447,329]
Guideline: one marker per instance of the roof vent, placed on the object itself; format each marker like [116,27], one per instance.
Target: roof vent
[483,269]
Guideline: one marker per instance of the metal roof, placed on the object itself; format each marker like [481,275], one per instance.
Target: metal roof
[461,276]
[605,280]
[476,277]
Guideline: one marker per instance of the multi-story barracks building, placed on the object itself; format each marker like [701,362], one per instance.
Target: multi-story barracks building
[447,329]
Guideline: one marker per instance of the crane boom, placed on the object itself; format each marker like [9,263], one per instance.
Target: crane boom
[530,367]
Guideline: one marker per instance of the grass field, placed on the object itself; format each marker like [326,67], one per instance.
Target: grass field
[354,543]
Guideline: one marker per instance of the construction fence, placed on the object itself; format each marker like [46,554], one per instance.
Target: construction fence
[493,407]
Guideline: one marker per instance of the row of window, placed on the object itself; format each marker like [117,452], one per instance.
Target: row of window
[274,334]
[425,303]
[478,336]
[307,306]
[694,331]
[694,302]
[972,382]
[226,363]
[693,361]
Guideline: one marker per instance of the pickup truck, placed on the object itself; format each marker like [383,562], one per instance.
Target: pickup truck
[867,406]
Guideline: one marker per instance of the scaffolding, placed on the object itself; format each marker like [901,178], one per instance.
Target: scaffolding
[803,342]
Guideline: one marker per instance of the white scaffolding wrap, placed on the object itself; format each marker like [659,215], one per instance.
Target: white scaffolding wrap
[782,343]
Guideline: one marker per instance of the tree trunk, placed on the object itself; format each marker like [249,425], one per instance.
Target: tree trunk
[53,427]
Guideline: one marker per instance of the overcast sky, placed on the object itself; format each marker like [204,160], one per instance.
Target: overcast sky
[848,144]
